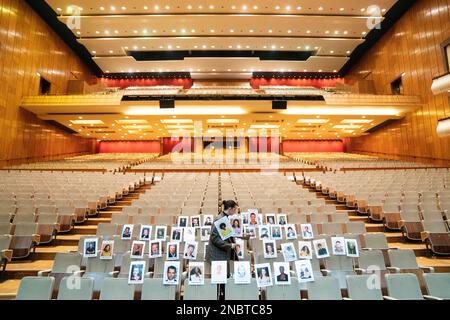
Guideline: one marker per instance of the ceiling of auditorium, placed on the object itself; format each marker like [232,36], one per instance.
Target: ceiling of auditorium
[329,30]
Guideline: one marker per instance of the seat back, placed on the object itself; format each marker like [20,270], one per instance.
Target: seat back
[339,263]
[208,291]
[82,291]
[358,288]
[324,288]
[155,289]
[241,291]
[370,258]
[35,288]
[101,266]
[356,227]
[376,241]
[434,226]
[284,292]
[5,228]
[5,241]
[403,286]
[438,284]
[116,289]
[25,229]
[403,259]
[106,229]
[65,261]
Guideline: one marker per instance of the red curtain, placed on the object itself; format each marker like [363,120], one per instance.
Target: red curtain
[144,82]
[313,146]
[264,144]
[177,144]
[317,83]
[153,146]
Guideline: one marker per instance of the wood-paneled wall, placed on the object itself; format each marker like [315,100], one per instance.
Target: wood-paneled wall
[28,47]
[412,46]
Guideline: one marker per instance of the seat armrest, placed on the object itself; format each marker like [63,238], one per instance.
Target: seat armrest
[389,298]
[345,298]
[148,274]
[57,227]
[368,249]
[113,274]
[72,251]
[427,269]
[7,253]
[428,297]
[326,272]
[424,235]
[401,223]
[36,238]
[360,271]
[393,269]
[44,273]
[79,273]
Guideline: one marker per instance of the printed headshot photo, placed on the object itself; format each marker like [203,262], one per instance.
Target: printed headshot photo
[205,233]
[155,249]
[182,221]
[270,218]
[282,273]
[189,234]
[244,217]
[177,234]
[263,232]
[224,228]
[145,233]
[288,251]
[172,251]
[137,250]
[219,272]
[171,272]
[160,233]
[263,275]
[190,250]
[253,218]
[236,224]
[352,248]
[196,273]
[270,249]
[137,270]
[242,273]
[90,247]
[127,231]
[281,219]
[290,231]
[307,232]
[107,249]
[208,220]
[304,271]
[276,233]
[250,231]
[239,248]
[321,248]
[304,250]
[195,221]
[338,245]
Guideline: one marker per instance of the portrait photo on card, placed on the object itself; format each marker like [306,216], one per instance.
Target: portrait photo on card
[270,249]
[145,233]
[172,251]
[182,221]
[205,233]
[176,234]
[275,231]
[155,249]
[160,233]
[137,272]
[305,250]
[281,219]
[127,231]
[219,272]
[137,249]
[208,219]
[224,228]
[190,250]
[107,250]
[290,231]
[304,271]
[270,218]
[242,273]
[171,272]
[282,273]
[195,221]
[250,231]
[263,275]
[244,216]
[253,218]
[236,224]
[352,248]
[90,247]
[196,273]
[189,234]
[288,250]
[321,248]
[264,232]
[239,248]
[338,246]
[307,232]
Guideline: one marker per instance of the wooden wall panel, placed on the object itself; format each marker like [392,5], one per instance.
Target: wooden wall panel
[29,46]
[413,46]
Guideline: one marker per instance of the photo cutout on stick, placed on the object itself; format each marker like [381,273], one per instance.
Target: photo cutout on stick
[304,271]
[288,251]
[189,234]
[171,272]
[172,251]
[263,275]
[137,272]
[176,234]
[264,232]
[270,218]
[205,233]
[290,231]
[182,221]
[338,245]
[224,228]
[145,233]
[127,231]
[190,250]
[275,232]
[90,247]
[137,249]
[219,272]
[242,273]
[161,233]
[239,248]
[208,220]
[195,221]
[282,273]
[282,219]
[270,249]
[352,248]
[305,250]
[155,249]
[107,250]
[236,224]
[321,248]
[196,273]
[307,231]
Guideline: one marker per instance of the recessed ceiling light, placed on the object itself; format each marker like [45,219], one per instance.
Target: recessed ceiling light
[348,51]
[145,8]
[167,7]
[307,47]
[327,31]
[251,30]
[289,31]
[229,70]
[277,8]
[231,30]
[363,9]
[156,7]
[364,32]
[288,8]
[189,7]
[135,31]
[332,51]
[212,31]
[78,32]
[299,8]
[97,32]
[308,31]
[320,8]
[244,7]
[211,7]
[341,9]
[320,70]
[113,8]
[124,8]
[111,51]
[255,7]
[336,32]
[102,8]
[183,30]
[144,31]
